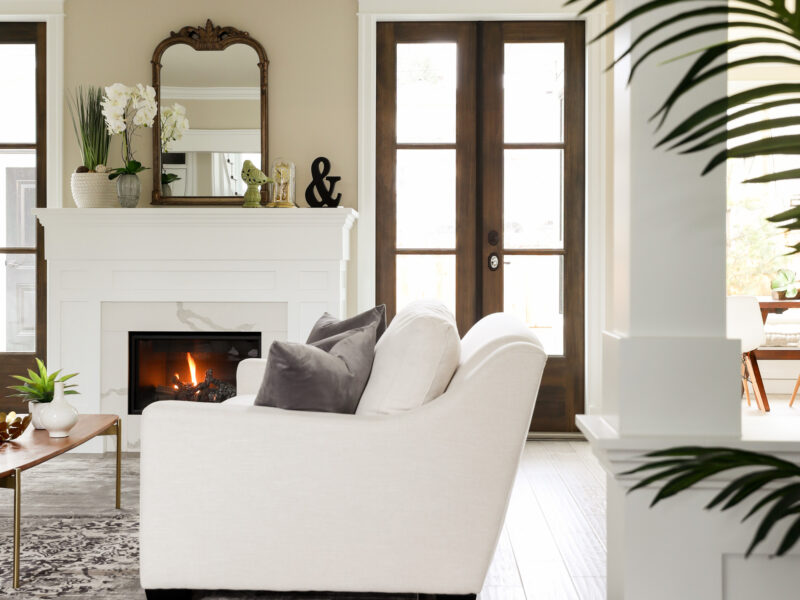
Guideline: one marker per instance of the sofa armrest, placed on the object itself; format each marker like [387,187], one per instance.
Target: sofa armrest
[249,374]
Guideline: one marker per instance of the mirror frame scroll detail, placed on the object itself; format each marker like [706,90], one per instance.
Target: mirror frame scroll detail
[209,38]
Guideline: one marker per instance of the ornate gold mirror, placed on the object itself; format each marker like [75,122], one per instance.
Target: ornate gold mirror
[211,88]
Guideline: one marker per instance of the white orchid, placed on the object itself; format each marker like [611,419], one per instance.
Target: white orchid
[125,110]
[173,124]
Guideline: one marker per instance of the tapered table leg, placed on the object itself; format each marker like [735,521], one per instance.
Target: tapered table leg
[119,462]
[758,383]
[17,517]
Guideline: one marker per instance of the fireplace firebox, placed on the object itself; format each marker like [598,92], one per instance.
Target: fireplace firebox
[197,367]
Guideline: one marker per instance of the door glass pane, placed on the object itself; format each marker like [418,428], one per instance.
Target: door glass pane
[18,102]
[19,303]
[533,92]
[17,198]
[428,277]
[533,291]
[426,199]
[426,92]
[533,199]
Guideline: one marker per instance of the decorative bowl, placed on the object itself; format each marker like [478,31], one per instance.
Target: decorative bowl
[12,426]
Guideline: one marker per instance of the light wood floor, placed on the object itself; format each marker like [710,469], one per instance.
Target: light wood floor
[553,545]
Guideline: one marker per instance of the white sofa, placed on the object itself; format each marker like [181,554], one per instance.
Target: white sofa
[255,498]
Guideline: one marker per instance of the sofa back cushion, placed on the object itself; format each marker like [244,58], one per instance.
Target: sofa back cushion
[414,360]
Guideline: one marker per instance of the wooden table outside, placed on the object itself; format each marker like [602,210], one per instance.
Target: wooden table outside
[35,446]
[768,305]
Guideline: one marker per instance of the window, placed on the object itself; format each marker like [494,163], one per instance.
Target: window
[22,188]
[757,248]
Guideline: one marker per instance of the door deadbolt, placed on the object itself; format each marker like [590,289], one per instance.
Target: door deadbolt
[494,238]
[494,261]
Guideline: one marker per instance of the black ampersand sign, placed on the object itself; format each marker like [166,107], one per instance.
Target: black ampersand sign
[319,169]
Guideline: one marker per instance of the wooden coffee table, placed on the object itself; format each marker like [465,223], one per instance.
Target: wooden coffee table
[35,446]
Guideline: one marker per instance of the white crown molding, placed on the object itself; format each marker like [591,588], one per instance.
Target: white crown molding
[173,92]
[463,10]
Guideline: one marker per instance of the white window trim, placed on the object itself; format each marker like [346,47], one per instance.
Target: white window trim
[370,12]
[52,13]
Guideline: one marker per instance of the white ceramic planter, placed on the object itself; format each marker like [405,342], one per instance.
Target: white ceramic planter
[93,190]
[35,410]
[59,416]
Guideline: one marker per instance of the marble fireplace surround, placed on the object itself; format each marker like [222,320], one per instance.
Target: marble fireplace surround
[110,271]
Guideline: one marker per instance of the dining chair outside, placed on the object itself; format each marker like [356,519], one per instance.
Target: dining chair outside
[744,322]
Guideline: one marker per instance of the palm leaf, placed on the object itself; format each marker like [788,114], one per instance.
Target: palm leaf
[779,176]
[790,539]
[781,144]
[722,8]
[694,31]
[729,118]
[688,465]
[778,25]
[748,129]
[694,76]
[723,105]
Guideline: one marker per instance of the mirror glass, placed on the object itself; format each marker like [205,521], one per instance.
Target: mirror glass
[218,94]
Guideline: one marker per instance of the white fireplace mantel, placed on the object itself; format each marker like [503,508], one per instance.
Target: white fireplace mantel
[216,233]
[112,270]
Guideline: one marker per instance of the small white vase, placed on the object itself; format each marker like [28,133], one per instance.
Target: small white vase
[59,416]
[35,409]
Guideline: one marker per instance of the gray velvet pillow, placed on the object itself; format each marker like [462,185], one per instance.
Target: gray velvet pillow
[326,376]
[328,326]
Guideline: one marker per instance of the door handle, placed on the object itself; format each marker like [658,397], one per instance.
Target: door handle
[494,261]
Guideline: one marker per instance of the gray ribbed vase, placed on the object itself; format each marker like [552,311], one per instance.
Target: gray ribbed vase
[128,188]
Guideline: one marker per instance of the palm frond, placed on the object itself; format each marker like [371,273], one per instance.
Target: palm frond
[690,465]
[774,24]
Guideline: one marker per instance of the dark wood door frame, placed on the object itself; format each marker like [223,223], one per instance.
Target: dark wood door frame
[18,362]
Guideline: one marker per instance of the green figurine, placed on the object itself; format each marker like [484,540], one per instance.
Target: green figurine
[254,178]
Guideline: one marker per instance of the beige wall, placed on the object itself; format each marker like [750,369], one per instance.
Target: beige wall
[221,114]
[312,47]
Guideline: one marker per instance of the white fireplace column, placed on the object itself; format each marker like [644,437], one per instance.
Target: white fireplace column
[670,376]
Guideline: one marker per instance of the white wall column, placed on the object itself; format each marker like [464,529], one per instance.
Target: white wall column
[669,365]
[670,376]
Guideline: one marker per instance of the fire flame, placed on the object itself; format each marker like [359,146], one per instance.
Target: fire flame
[192,368]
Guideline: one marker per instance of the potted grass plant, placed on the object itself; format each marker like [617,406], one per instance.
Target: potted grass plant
[89,183]
[39,389]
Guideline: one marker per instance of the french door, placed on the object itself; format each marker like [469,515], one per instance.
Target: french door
[22,188]
[480,183]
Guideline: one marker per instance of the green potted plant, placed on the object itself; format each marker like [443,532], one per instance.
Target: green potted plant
[785,286]
[38,389]
[166,180]
[89,183]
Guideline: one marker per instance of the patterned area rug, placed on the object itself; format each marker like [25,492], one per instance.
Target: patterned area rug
[73,557]
[78,557]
